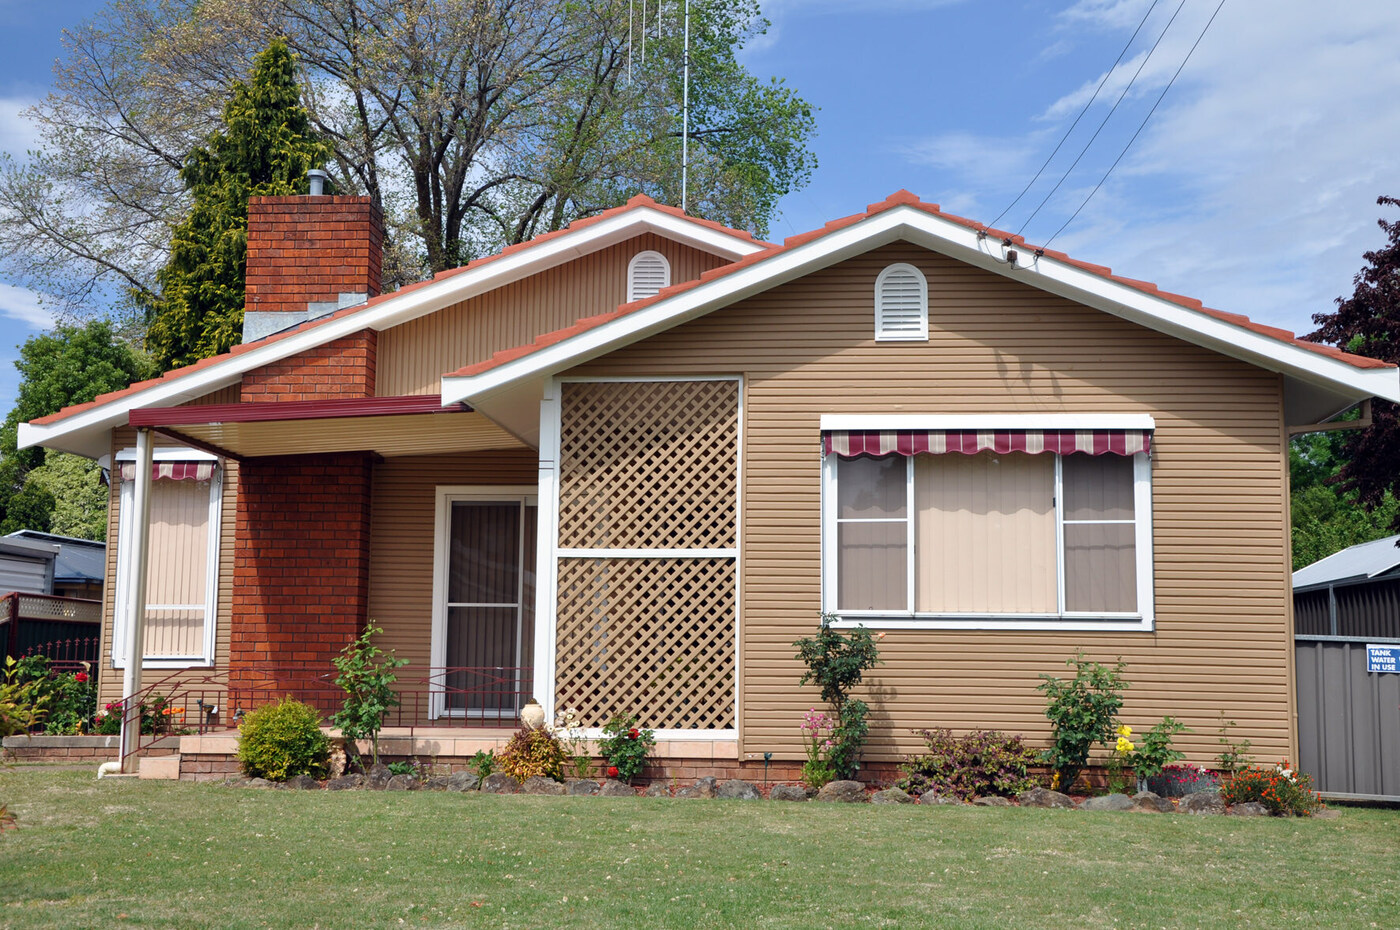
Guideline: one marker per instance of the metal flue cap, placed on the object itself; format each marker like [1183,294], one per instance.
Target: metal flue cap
[317,179]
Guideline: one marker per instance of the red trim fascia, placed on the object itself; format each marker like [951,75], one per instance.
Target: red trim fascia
[339,408]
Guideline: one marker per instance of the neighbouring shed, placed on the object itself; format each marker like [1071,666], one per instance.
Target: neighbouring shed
[27,565]
[80,567]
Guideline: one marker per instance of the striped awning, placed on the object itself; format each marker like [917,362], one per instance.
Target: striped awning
[178,471]
[850,443]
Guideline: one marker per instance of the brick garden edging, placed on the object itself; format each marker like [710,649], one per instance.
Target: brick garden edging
[74,749]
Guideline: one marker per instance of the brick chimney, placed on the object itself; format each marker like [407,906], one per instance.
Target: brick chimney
[309,256]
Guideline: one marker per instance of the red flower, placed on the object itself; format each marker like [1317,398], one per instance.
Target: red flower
[80,677]
[612,771]
[632,733]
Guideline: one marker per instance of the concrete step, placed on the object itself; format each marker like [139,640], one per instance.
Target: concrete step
[160,767]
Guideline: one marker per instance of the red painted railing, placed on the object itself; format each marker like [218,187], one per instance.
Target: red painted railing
[66,629]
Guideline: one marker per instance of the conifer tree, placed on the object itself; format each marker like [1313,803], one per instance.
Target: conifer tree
[265,148]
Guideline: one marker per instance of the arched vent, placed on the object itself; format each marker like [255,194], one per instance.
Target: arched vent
[647,273]
[901,304]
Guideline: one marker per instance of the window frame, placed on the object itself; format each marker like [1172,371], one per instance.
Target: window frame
[1141,620]
[880,333]
[121,596]
[632,263]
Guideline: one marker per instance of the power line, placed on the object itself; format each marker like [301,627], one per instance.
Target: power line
[1064,138]
[1141,126]
[1111,111]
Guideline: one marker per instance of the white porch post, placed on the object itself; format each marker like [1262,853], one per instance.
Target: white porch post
[547,532]
[136,600]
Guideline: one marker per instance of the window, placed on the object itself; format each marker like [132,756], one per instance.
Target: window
[182,568]
[647,274]
[1010,529]
[901,305]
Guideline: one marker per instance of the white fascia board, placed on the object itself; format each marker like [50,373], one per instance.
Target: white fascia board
[389,313]
[957,241]
[169,454]
[1030,421]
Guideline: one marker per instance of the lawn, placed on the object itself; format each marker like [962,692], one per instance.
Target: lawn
[162,854]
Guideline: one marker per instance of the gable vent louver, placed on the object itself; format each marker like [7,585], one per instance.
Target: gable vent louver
[901,304]
[647,274]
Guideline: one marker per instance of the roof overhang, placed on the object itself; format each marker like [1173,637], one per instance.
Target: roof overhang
[86,431]
[1316,386]
[387,426]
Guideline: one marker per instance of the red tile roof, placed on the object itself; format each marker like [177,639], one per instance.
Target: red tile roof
[898,199]
[641,200]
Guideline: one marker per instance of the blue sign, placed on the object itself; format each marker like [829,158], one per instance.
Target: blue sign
[1383,658]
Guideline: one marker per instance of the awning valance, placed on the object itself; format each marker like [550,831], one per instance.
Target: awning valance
[850,443]
[178,471]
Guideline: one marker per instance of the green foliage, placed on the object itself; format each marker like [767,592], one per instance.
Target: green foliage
[1280,789]
[22,706]
[281,741]
[79,496]
[366,675]
[836,663]
[68,698]
[1156,751]
[625,747]
[1325,518]
[533,751]
[265,148]
[483,763]
[406,767]
[984,762]
[1081,713]
[1234,754]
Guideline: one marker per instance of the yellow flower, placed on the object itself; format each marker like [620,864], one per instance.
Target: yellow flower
[1125,730]
[1124,745]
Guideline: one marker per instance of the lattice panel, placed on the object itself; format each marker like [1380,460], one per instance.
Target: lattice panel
[649,637]
[649,465]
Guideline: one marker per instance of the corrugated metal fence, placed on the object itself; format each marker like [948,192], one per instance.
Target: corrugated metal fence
[1348,719]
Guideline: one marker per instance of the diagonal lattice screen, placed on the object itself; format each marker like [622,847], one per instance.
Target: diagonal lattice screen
[647,466]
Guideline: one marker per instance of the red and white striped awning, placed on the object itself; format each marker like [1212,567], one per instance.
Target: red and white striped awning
[178,471]
[850,443]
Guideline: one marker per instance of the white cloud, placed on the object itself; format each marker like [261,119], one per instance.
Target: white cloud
[17,134]
[25,306]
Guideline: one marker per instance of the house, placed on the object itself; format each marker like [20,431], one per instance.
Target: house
[79,564]
[623,466]
[50,596]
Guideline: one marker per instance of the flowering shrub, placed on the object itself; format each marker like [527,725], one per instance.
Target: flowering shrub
[68,699]
[1177,781]
[818,728]
[625,747]
[109,722]
[1120,758]
[984,762]
[1280,789]
[1081,712]
[532,752]
[836,662]
[281,741]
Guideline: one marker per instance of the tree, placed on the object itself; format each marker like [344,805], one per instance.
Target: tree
[1325,518]
[71,365]
[473,123]
[265,148]
[1368,323]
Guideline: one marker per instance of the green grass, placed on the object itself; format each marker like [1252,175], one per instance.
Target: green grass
[161,854]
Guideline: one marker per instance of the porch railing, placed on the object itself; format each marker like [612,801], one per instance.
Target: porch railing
[433,698]
[66,629]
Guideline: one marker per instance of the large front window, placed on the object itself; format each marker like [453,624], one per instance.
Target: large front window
[992,538]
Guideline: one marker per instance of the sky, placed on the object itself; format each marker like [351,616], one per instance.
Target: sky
[1252,185]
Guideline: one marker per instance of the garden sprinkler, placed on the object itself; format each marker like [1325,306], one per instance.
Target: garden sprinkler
[767,757]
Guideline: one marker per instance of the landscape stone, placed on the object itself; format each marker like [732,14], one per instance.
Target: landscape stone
[583,787]
[703,788]
[736,789]
[1249,809]
[843,792]
[657,789]
[436,783]
[1202,802]
[993,800]
[932,797]
[1108,802]
[304,783]
[379,772]
[401,783]
[500,783]
[1328,813]
[259,783]
[1044,797]
[1151,803]
[891,796]
[612,788]
[345,783]
[788,793]
[538,784]
[463,781]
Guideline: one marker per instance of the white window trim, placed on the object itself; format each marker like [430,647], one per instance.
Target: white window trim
[1143,620]
[447,495]
[922,334]
[631,273]
[211,581]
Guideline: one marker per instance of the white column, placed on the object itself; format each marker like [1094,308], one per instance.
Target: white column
[136,601]
[546,566]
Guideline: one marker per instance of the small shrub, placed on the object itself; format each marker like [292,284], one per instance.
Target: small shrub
[1177,781]
[818,729]
[483,763]
[625,748]
[569,729]
[281,741]
[1156,752]
[1081,712]
[407,767]
[22,705]
[1234,755]
[984,762]
[366,675]
[836,662]
[68,699]
[533,752]
[1280,789]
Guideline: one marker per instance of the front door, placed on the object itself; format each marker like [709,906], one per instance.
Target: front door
[489,592]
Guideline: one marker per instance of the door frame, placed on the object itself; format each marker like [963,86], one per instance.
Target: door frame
[445,497]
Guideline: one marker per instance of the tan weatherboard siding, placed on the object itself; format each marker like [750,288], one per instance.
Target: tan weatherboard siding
[1222,635]
[412,358]
[401,540]
[110,679]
